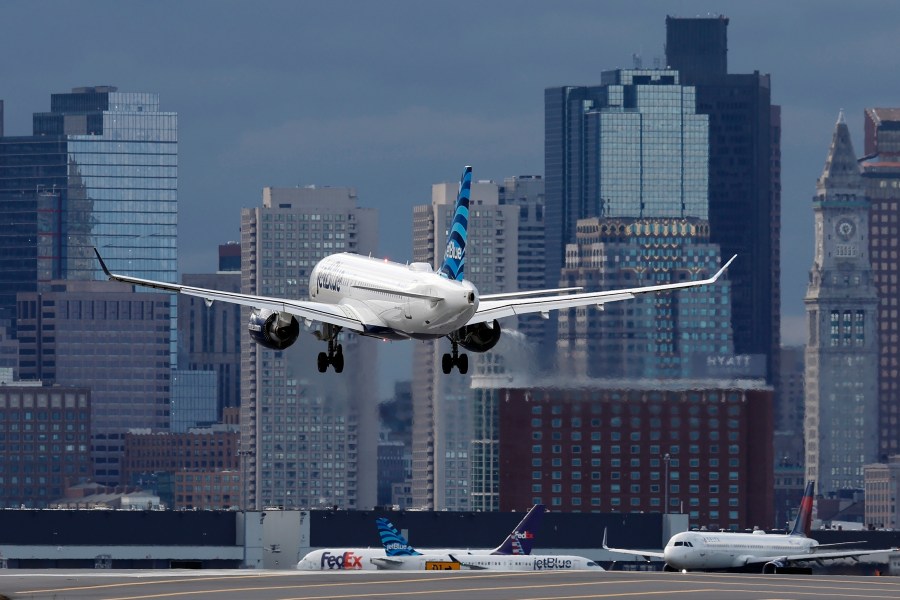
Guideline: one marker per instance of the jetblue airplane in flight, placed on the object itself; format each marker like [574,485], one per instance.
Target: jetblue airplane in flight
[759,551]
[408,558]
[518,542]
[395,301]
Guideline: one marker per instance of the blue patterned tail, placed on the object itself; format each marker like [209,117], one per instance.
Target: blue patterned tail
[394,542]
[455,254]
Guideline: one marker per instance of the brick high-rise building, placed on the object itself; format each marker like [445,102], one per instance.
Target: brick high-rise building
[699,447]
[881,177]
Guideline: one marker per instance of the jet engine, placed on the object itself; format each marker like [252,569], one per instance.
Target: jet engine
[273,330]
[480,337]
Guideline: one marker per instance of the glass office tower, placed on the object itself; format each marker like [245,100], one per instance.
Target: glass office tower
[100,170]
[121,182]
[632,146]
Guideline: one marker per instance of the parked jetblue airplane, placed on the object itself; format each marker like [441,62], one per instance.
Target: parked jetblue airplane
[395,301]
[766,552]
[519,541]
[407,558]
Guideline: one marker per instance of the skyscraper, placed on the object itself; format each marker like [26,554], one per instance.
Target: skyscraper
[506,238]
[744,177]
[633,146]
[307,439]
[881,176]
[209,337]
[100,170]
[104,337]
[842,351]
[662,336]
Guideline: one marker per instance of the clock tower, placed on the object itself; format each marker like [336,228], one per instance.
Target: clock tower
[841,375]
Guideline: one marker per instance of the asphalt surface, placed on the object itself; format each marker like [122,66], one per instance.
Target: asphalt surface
[291,585]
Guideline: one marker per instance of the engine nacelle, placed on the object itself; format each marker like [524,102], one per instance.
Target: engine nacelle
[480,337]
[273,330]
[779,567]
[772,567]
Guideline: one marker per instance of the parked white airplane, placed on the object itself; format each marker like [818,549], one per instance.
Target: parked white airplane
[770,553]
[518,542]
[412,560]
[395,301]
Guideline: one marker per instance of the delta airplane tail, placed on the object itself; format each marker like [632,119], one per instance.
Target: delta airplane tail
[394,542]
[455,254]
[521,540]
[804,516]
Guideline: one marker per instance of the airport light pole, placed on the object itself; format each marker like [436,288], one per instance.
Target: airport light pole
[666,459]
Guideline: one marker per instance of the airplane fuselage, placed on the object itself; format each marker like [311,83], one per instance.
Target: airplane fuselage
[394,300]
[340,559]
[360,559]
[725,550]
[488,562]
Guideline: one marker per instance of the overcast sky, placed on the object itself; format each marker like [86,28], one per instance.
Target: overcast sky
[390,97]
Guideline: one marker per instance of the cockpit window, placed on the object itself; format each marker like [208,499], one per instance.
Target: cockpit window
[679,543]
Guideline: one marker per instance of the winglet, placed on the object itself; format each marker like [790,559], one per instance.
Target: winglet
[455,253]
[102,264]
[603,545]
[724,268]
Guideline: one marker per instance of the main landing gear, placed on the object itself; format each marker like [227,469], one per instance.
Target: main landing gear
[335,354]
[455,359]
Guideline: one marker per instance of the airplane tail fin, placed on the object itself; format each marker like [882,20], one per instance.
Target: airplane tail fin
[521,540]
[394,542]
[804,515]
[455,254]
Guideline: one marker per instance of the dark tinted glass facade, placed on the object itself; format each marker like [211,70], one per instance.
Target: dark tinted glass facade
[32,175]
[744,177]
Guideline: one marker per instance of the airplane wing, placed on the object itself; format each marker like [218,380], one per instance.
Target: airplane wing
[507,295]
[467,565]
[816,556]
[336,314]
[386,562]
[506,305]
[645,554]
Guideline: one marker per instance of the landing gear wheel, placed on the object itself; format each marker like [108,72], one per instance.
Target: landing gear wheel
[335,354]
[455,359]
[338,360]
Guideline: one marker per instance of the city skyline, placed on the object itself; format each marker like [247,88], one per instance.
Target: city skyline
[281,94]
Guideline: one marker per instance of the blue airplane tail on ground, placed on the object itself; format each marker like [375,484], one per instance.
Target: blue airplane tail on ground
[394,542]
[455,253]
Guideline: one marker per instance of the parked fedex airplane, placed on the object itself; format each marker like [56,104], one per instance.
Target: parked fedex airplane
[518,542]
[394,301]
[770,553]
[447,560]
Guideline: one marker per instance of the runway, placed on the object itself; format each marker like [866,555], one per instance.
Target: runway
[290,585]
